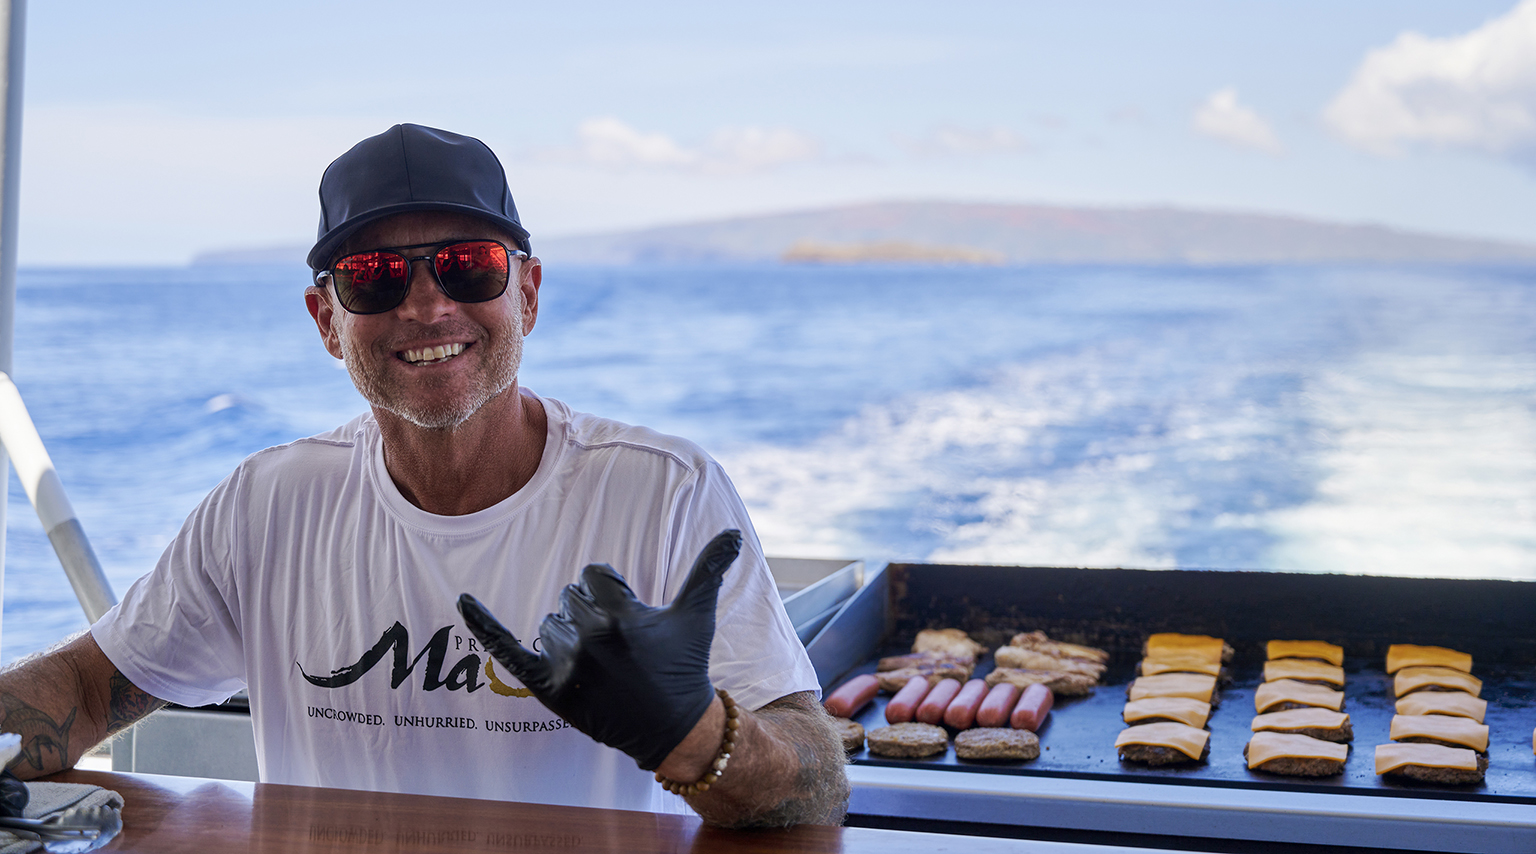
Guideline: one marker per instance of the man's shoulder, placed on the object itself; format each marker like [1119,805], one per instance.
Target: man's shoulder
[336,444]
[585,432]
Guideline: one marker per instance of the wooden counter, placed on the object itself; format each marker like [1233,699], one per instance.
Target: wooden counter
[173,814]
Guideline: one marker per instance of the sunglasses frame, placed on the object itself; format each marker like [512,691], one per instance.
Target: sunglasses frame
[329,273]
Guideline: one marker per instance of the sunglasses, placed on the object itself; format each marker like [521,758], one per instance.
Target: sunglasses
[376,281]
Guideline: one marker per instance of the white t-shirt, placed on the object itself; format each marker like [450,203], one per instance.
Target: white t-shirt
[306,567]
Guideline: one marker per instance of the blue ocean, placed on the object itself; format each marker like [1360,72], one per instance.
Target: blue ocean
[1323,419]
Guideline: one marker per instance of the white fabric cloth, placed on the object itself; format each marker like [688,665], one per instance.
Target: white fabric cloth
[47,799]
[307,557]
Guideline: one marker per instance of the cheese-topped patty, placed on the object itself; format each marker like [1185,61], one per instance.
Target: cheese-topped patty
[1390,757]
[1303,669]
[1184,710]
[1281,691]
[1400,655]
[1204,646]
[1196,686]
[1458,703]
[1311,719]
[1268,746]
[1454,731]
[1188,740]
[1322,650]
[1411,679]
[1170,663]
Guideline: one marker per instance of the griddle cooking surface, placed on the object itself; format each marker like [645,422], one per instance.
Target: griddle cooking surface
[1078,739]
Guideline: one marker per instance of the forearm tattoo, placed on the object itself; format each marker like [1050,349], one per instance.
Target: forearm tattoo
[128,704]
[44,740]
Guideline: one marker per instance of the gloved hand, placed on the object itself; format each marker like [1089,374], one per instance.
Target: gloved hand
[628,675]
[13,795]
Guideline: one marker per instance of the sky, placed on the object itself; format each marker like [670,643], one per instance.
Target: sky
[157,130]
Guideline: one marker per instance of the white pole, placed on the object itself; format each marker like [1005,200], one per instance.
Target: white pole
[14,20]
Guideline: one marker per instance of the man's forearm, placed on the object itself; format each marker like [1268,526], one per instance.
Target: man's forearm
[64,702]
[787,768]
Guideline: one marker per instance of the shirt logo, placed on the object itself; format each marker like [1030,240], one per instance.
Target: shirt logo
[463,675]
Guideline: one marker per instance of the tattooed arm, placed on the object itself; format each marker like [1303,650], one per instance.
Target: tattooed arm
[787,767]
[65,701]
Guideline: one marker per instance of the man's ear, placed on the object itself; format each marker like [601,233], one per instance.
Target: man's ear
[318,301]
[529,278]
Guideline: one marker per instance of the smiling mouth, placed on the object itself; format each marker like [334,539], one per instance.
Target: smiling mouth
[432,355]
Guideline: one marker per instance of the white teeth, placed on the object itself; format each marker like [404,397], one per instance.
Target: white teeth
[433,354]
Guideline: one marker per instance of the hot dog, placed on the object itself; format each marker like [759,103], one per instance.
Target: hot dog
[852,695]
[903,706]
[998,705]
[933,706]
[962,710]
[1032,708]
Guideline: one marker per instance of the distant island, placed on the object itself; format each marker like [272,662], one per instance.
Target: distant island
[961,233]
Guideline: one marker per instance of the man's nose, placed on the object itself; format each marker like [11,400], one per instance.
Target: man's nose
[424,301]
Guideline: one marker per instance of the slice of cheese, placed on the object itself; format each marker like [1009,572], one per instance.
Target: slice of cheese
[1265,746]
[1411,679]
[1390,757]
[1331,653]
[1170,663]
[1196,686]
[1290,691]
[1312,718]
[1462,731]
[1400,655]
[1203,646]
[1185,710]
[1188,740]
[1304,669]
[1456,703]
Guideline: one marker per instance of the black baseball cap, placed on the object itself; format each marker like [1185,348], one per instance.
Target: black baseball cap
[411,168]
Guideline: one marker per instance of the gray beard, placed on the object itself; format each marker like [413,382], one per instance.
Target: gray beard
[501,372]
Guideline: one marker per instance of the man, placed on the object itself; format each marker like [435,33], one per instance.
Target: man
[323,574]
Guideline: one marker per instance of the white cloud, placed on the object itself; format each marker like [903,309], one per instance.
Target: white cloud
[1474,91]
[614,144]
[952,140]
[1222,117]
[753,149]
[610,142]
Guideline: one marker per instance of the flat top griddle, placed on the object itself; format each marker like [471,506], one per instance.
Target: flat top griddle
[1078,738]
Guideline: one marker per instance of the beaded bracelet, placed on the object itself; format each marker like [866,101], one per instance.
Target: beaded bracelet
[722,758]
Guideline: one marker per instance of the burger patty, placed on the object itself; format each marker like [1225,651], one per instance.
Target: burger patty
[1442,776]
[997,743]
[1152,755]
[1226,651]
[851,732]
[1296,766]
[908,740]
[1287,706]
[1424,739]
[1341,735]
[1223,676]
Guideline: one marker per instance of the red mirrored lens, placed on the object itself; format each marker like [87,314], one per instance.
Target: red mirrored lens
[371,282]
[472,271]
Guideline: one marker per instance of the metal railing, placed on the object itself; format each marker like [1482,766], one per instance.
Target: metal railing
[35,470]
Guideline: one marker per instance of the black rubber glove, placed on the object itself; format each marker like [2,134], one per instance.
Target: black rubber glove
[628,675]
[13,795]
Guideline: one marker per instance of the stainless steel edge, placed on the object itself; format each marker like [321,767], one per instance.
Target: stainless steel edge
[853,632]
[1419,824]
